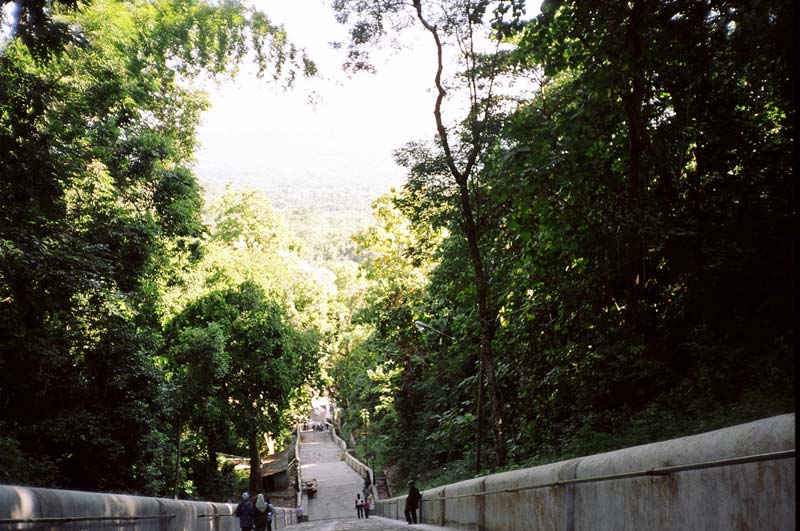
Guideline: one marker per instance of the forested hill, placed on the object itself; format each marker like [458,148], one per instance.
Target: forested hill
[340,195]
[323,210]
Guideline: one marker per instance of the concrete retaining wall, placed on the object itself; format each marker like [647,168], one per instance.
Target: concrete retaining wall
[25,503]
[360,468]
[752,496]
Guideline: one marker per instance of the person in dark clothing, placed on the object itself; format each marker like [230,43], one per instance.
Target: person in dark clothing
[270,515]
[245,512]
[260,513]
[412,503]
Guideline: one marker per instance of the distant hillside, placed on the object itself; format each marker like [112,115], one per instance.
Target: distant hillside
[321,211]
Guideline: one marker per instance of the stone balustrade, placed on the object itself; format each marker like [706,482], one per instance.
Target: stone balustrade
[52,509]
[738,478]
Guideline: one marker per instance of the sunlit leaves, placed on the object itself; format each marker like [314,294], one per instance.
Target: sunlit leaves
[101,221]
[713,215]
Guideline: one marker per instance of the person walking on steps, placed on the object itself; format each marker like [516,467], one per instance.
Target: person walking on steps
[359,506]
[260,513]
[367,505]
[412,503]
[245,512]
[270,514]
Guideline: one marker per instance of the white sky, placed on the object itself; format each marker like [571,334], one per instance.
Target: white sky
[260,136]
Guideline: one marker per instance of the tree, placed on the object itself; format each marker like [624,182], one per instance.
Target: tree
[245,326]
[377,364]
[236,350]
[635,218]
[562,169]
[34,24]
[461,22]
[97,134]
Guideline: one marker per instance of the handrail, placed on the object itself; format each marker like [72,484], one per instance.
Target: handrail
[663,471]
[345,454]
[82,518]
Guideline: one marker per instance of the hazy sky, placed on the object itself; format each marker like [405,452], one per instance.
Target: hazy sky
[261,136]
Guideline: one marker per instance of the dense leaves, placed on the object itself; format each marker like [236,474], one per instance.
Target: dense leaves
[614,240]
[100,220]
[244,331]
[636,218]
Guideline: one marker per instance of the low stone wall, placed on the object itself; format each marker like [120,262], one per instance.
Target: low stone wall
[739,478]
[35,508]
[360,468]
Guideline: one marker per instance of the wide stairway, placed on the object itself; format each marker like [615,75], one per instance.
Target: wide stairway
[371,524]
[337,483]
[740,477]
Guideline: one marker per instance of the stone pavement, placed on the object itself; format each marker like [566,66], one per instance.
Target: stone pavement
[331,509]
[373,523]
[337,483]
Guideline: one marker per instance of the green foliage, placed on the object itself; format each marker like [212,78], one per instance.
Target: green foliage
[244,329]
[636,223]
[101,217]
[569,209]
[36,24]
[246,218]
[634,217]
[80,232]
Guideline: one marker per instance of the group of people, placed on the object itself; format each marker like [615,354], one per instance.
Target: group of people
[258,515]
[363,505]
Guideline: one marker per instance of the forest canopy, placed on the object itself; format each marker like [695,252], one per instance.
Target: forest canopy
[614,253]
[134,331]
[596,243]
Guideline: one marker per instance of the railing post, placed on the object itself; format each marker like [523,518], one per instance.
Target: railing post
[481,507]
[443,508]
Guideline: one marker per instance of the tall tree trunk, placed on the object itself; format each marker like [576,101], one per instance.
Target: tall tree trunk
[479,423]
[256,484]
[633,99]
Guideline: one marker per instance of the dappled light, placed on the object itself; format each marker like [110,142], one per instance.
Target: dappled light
[456,237]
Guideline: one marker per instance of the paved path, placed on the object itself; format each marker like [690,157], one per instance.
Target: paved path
[337,483]
[373,523]
[331,509]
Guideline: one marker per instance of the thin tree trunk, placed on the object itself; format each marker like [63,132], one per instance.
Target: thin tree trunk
[479,423]
[486,320]
[486,324]
[178,461]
